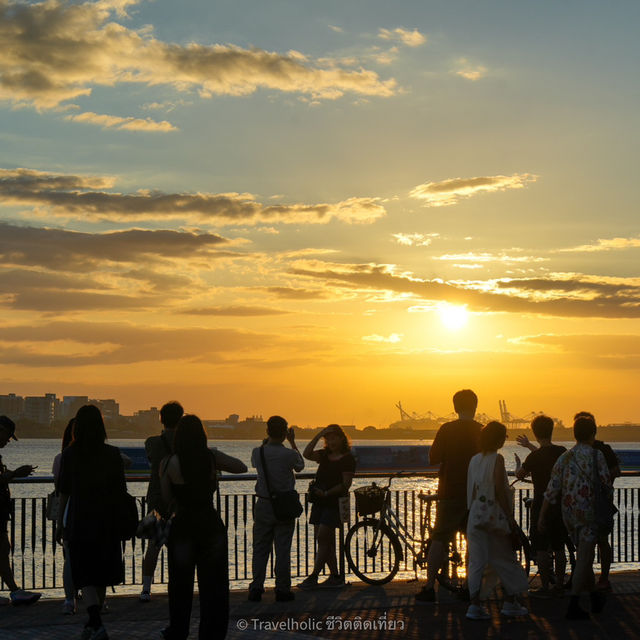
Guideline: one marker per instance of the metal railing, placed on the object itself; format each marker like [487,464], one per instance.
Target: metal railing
[37,559]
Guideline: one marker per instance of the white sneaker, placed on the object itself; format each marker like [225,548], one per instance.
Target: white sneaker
[476,612]
[513,609]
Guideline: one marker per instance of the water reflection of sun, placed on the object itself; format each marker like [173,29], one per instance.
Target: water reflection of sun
[452,316]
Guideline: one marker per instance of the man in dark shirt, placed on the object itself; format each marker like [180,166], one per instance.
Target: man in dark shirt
[613,464]
[453,447]
[549,543]
[18,596]
[157,448]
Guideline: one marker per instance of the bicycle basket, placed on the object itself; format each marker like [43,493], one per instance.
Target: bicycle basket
[369,500]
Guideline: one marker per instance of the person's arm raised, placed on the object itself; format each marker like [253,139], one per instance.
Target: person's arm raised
[309,452]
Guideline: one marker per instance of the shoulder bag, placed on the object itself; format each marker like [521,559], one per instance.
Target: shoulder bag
[286,504]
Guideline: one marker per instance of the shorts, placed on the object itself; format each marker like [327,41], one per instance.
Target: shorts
[322,514]
[451,517]
[554,537]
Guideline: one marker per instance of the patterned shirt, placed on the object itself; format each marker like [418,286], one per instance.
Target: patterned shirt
[572,482]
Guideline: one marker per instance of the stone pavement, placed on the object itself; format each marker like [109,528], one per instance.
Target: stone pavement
[325,613]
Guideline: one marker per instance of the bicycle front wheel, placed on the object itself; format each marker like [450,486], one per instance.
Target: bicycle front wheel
[373,551]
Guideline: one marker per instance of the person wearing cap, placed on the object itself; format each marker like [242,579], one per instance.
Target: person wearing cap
[18,596]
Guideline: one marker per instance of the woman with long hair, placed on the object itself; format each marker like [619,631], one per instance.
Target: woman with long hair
[92,482]
[70,593]
[489,526]
[197,538]
[336,468]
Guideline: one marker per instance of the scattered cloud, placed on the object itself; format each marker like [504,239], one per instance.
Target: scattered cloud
[414,239]
[470,71]
[408,37]
[333,27]
[82,251]
[479,296]
[485,257]
[116,122]
[234,310]
[448,192]
[84,197]
[55,51]
[297,293]
[605,244]
[393,338]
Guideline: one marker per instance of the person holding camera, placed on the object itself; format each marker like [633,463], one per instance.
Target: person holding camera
[280,463]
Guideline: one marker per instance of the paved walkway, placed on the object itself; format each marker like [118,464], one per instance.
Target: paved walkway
[325,613]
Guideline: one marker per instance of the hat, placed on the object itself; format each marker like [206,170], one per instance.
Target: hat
[9,425]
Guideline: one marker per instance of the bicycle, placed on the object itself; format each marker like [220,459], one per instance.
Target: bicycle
[374,546]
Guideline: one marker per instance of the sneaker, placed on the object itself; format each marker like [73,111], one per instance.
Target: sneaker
[99,634]
[541,592]
[310,582]
[24,597]
[284,596]
[476,612]
[333,582]
[68,607]
[255,595]
[145,596]
[513,609]
[426,595]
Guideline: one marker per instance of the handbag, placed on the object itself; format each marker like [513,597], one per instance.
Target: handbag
[286,504]
[312,496]
[604,509]
[53,506]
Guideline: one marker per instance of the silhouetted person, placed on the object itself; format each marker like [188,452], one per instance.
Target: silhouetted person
[571,483]
[613,464]
[198,538]
[17,595]
[158,448]
[490,523]
[548,545]
[336,468]
[453,447]
[70,592]
[268,531]
[92,481]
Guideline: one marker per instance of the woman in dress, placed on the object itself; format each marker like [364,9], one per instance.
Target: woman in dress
[92,481]
[198,538]
[336,468]
[490,523]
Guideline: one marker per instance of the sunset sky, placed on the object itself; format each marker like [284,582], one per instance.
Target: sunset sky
[318,209]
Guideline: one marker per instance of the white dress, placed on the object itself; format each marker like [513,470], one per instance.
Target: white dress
[490,553]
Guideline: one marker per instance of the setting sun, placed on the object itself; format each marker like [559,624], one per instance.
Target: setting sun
[453,317]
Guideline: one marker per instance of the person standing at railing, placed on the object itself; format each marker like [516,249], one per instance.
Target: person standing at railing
[336,468]
[70,592]
[198,538]
[268,531]
[613,464]
[157,448]
[17,595]
[453,447]
[92,481]
[489,527]
[547,546]
[572,484]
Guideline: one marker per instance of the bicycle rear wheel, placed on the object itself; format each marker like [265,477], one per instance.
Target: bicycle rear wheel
[373,551]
